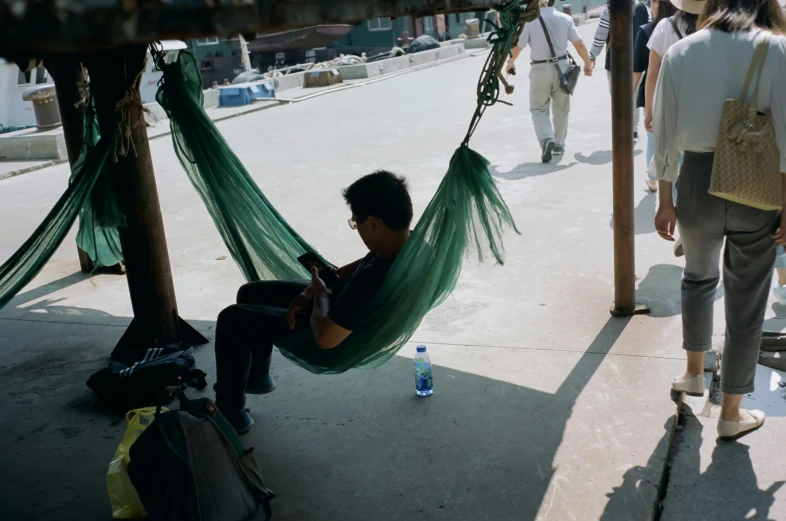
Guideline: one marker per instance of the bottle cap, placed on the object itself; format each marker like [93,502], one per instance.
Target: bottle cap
[421,349]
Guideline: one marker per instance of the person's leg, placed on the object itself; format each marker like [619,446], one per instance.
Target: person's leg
[779,288]
[541,77]
[748,262]
[701,223]
[636,115]
[243,333]
[276,293]
[561,103]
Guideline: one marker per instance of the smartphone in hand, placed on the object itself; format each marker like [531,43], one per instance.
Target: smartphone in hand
[311,260]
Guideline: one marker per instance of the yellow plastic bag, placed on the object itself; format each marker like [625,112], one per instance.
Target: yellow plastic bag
[122,495]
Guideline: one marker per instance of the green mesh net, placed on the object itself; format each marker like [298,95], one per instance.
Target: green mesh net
[466,213]
[100,215]
[80,197]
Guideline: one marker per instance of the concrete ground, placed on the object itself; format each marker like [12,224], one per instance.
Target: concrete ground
[545,407]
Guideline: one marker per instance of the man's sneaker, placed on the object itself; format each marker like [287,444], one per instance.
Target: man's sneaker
[242,422]
[558,150]
[635,137]
[780,293]
[679,251]
[548,149]
[261,384]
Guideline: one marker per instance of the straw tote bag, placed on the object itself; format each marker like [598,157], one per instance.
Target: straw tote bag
[746,168]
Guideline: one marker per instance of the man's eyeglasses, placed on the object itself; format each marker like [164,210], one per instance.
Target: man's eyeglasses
[353,223]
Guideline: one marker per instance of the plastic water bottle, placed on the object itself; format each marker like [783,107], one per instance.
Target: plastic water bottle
[424,380]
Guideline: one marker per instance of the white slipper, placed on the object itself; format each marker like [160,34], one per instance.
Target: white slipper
[735,430]
[690,386]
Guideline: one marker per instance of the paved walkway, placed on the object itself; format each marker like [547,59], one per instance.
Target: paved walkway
[545,407]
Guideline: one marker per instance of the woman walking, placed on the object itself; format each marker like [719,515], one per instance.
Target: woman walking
[661,9]
[697,76]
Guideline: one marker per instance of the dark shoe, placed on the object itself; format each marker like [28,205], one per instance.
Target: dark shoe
[263,384]
[548,149]
[558,150]
[635,137]
[242,422]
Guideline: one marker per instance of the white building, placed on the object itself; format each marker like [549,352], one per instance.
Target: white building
[15,113]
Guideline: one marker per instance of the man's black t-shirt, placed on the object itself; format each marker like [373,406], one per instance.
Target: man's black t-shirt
[352,308]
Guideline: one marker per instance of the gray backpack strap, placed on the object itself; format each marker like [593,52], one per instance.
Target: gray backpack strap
[674,26]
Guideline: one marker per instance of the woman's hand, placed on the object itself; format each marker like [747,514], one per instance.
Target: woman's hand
[648,121]
[780,234]
[666,221]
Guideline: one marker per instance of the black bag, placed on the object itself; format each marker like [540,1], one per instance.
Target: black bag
[568,79]
[189,465]
[138,378]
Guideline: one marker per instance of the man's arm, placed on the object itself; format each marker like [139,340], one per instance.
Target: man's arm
[327,333]
[601,35]
[582,50]
[512,60]
[344,272]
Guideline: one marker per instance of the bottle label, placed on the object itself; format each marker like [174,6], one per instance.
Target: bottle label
[424,380]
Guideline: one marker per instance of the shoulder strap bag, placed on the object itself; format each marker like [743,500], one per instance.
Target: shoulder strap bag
[746,169]
[674,26]
[568,79]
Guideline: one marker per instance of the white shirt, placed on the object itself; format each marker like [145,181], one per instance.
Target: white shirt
[663,36]
[698,75]
[561,29]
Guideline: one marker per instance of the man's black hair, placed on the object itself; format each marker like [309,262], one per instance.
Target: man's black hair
[382,195]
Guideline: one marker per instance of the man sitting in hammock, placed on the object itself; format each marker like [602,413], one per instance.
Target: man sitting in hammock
[268,311]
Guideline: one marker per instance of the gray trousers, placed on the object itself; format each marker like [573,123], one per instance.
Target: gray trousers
[545,96]
[749,256]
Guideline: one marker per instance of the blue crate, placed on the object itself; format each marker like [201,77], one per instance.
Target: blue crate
[234,96]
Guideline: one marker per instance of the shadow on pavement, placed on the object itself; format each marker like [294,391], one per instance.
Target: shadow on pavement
[644,215]
[599,157]
[534,169]
[726,490]
[660,289]
[355,446]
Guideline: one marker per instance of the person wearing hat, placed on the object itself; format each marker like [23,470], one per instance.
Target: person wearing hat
[698,75]
[668,32]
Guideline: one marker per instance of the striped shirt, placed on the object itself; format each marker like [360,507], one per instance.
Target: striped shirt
[641,16]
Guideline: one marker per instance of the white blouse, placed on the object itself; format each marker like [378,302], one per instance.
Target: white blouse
[697,76]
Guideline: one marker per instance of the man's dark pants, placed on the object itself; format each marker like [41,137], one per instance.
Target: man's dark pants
[245,334]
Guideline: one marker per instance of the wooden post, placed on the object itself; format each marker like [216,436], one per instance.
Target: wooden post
[156,322]
[67,72]
[621,50]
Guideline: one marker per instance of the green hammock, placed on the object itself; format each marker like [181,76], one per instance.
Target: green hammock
[466,211]
[90,195]
[100,216]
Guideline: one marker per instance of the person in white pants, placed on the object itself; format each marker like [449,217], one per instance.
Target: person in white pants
[544,79]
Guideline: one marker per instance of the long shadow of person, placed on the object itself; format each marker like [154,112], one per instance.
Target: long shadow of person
[660,289]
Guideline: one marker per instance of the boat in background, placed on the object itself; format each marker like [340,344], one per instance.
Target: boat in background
[297,39]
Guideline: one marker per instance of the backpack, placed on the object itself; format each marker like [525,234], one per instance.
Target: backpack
[138,378]
[189,465]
